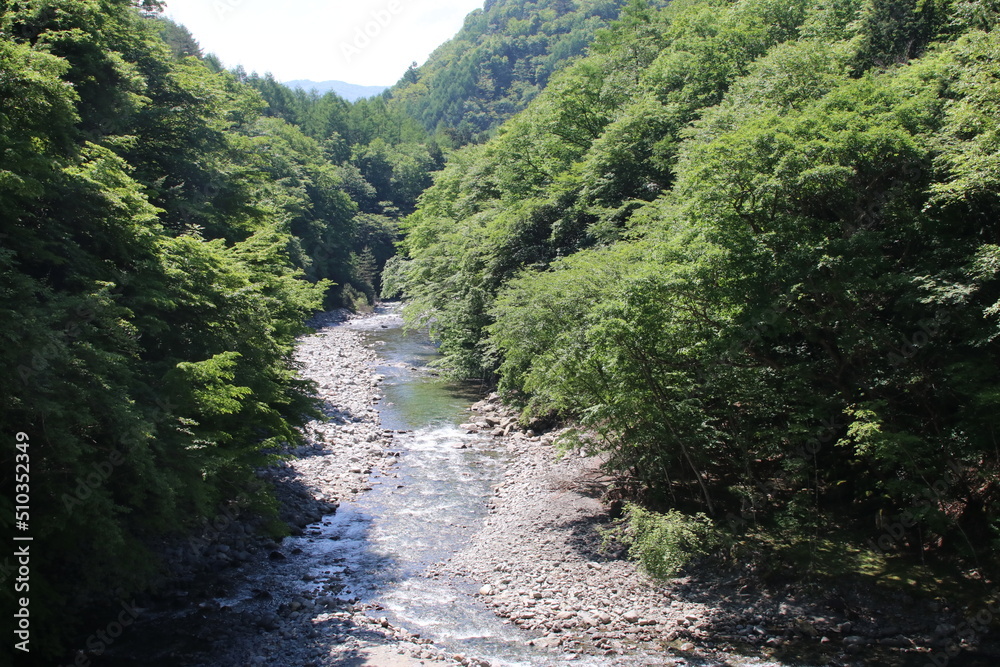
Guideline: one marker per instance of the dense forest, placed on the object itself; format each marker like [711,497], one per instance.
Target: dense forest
[167,228]
[750,249]
[499,61]
[743,246]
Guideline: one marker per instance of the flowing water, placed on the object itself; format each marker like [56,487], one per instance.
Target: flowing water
[420,511]
[389,538]
[426,509]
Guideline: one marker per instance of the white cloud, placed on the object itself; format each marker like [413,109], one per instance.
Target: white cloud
[369,42]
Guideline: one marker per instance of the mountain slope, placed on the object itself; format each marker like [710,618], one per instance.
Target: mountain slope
[349,91]
[499,61]
[747,243]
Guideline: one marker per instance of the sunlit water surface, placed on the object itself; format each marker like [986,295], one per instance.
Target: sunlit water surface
[419,512]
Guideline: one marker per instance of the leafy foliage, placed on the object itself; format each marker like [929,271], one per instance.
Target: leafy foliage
[748,244]
[663,543]
[501,59]
[151,290]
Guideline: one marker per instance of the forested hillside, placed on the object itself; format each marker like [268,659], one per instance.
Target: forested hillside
[167,227]
[751,246]
[499,61]
[373,153]
[746,248]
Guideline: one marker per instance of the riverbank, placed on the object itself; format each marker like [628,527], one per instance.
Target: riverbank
[235,597]
[539,562]
[345,453]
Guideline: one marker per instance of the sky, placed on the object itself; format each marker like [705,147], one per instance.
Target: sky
[367,42]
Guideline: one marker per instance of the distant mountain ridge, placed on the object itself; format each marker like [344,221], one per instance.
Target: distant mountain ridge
[349,91]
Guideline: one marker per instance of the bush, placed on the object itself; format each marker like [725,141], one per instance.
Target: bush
[355,300]
[663,543]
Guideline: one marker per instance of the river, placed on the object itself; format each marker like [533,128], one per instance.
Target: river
[387,540]
[378,553]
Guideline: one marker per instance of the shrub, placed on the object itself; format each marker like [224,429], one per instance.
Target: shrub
[663,543]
